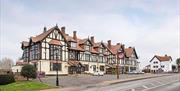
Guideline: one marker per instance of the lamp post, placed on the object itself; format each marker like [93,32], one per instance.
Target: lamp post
[57,78]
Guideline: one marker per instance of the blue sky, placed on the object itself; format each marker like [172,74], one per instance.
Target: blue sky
[151,26]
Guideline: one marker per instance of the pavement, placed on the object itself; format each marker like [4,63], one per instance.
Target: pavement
[146,81]
[84,79]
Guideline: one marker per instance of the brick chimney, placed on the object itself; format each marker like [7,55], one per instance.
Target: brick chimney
[74,35]
[118,44]
[92,39]
[63,29]
[109,43]
[166,55]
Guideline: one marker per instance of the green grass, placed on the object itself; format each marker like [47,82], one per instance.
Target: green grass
[24,86]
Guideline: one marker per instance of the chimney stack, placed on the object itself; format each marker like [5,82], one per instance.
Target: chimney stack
[109,43]
[74,35]
[165,54]
[118,44]
[92,39]
[63,29]
[45,29]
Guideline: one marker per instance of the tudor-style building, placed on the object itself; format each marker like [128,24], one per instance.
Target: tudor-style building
[86,56]
[71,54]
[47,50]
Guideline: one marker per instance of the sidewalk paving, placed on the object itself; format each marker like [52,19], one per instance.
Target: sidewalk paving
[123,78]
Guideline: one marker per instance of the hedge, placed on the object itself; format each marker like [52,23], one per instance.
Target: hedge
[6,79]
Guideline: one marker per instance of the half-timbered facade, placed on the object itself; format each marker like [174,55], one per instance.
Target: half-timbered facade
[55,50]
[47,51]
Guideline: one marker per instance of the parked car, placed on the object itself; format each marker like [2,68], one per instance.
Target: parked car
[135,72]
[98,73]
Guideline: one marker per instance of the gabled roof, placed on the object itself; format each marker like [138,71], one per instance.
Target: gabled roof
[162,58]
[130,51]
[114,48]
[43,35]
[82,41]
[98,44]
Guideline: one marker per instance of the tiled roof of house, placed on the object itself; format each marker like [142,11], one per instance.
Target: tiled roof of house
[163,58]
[114,48]
[129,51]
[42,35]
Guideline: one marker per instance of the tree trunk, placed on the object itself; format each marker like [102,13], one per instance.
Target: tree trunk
[27,78]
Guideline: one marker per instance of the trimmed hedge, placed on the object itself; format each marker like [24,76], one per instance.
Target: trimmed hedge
[6,79]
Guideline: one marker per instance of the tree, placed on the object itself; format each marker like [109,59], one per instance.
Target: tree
[6,63]
[28,71]
[178,63]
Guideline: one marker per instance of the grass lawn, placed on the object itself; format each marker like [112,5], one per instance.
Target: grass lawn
[24,86]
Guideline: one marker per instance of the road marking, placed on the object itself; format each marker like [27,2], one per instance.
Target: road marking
[132,89]
[159,85]
[152,84]
[144,86]
[158,82]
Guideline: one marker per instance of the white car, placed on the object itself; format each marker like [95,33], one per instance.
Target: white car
[98,73]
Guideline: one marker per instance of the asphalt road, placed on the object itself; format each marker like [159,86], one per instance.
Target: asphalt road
[165,83]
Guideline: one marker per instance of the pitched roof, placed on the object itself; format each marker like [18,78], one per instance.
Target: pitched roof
[42,35]
[115,48]
[162,58]
[130,51]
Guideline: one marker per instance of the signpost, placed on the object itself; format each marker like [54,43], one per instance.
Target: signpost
[120,55]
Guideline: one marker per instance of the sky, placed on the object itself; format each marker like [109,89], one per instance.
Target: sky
[151,26]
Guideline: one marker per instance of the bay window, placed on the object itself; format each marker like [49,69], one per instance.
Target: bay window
[55,52]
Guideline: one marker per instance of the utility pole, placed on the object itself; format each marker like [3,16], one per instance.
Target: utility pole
[117,67]
[120,56]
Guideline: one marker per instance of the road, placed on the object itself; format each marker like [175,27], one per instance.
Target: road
[165,83]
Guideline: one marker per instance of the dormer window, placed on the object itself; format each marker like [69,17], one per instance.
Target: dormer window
[73,44]
[101,50]
[87,47]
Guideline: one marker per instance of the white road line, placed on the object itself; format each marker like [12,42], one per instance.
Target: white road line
[158,86]
[144,86]
[158,82]
[132,89]
[152,84]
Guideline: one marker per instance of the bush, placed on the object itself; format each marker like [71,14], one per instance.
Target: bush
[6,79]
[28,71]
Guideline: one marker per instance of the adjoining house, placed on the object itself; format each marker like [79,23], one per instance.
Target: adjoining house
[72,55]
[161,64]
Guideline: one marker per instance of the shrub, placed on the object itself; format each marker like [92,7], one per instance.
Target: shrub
[28,71]
[6,79]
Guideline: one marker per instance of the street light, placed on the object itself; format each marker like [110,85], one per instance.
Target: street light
[57,78]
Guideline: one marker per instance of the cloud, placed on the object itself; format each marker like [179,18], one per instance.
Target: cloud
[151,26]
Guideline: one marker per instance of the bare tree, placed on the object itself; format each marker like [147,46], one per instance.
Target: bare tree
[6,63]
